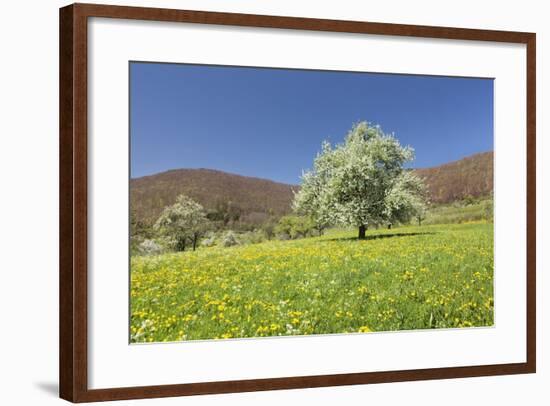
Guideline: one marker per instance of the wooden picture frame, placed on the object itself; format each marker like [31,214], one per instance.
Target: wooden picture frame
[74,201]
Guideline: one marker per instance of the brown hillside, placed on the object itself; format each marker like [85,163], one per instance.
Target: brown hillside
[256,199]
[472,175]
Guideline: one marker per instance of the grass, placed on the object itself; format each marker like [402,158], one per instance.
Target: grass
[459,212]
[436,276]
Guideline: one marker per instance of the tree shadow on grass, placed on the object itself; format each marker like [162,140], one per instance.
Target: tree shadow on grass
[379,236]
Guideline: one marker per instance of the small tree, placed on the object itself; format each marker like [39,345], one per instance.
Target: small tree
[184,220]
[421,215]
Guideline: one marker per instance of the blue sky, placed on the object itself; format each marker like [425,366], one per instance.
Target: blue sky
[270,123]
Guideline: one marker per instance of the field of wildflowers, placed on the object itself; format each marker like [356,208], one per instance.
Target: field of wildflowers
[436,276]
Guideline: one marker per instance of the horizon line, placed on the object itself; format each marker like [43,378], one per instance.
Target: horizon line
[286,183]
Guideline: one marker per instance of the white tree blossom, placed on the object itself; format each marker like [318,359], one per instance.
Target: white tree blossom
[184,220]
[406,199]
[311,202]
[361,182]
[149,247]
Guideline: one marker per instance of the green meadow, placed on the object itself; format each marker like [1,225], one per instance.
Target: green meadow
[405,278]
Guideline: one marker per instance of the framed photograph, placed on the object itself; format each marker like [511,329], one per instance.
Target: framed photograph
[255,202]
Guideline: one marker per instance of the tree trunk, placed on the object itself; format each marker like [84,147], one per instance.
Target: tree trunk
[362,230]
[181,244]
[194,241]
[389,226]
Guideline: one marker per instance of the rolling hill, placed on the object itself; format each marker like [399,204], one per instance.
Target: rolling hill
[470,176]
[253,200]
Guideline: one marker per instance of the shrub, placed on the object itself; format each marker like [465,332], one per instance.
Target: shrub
[185,221]
[469,200]
[229,239]
[209,241]
[268,229]
[252,237]
[292,227]
[149,247]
